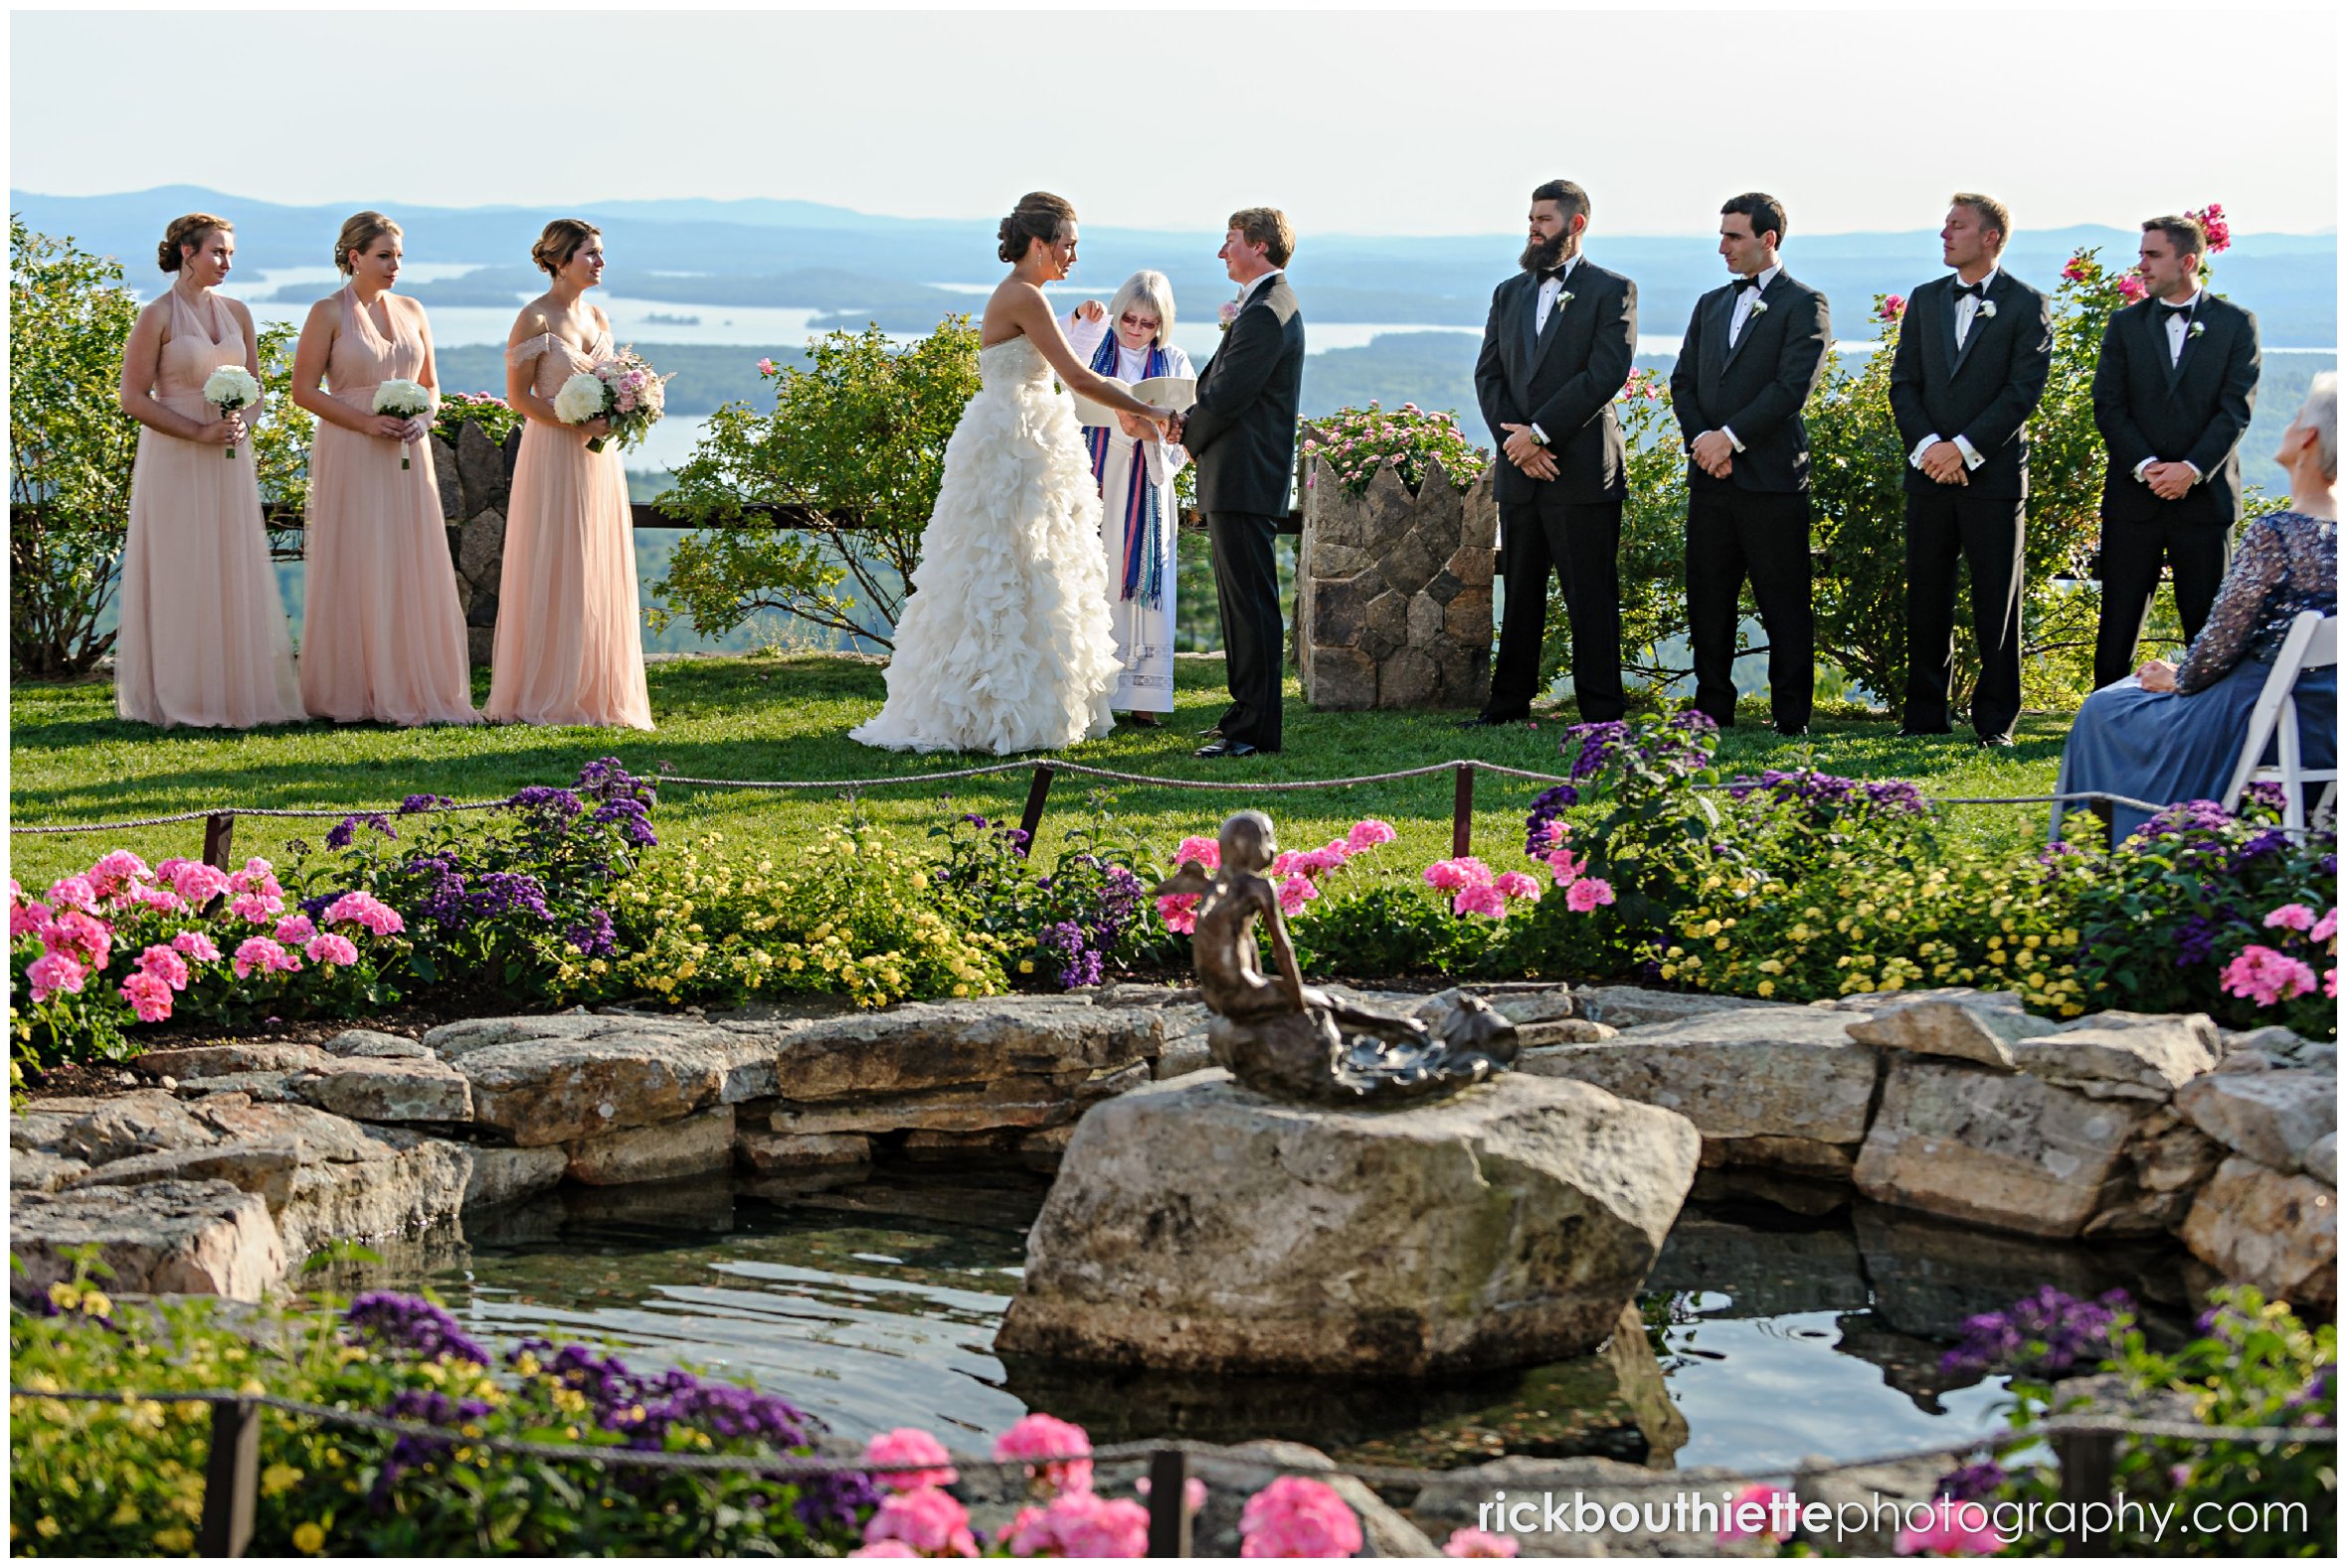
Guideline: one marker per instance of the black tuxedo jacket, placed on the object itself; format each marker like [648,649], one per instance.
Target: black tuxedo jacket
[1984,392]
[1242,432]
[1564,383]
[2194,411]
[1755,388]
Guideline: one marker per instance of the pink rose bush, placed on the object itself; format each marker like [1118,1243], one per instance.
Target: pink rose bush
[125,943]
[910,1445]
[922,1522]
[1892,307]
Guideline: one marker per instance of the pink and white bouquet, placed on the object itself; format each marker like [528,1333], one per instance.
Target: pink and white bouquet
[403,399]
[624,390]
[228,389]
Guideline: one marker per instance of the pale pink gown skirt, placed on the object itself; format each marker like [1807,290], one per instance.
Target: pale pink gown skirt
[203,637]
[569,648]
[382,632]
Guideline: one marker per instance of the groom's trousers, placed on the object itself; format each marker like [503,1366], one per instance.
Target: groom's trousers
[1247,591]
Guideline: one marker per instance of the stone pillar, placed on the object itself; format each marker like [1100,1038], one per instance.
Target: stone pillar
[475,479]
[1393,592]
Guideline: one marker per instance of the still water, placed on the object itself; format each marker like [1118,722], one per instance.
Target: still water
[1770,1333]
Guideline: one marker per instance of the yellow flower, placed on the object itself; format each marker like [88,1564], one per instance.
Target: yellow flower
[277,1479]
[1766,988]
[64,1294]
[126,1512]
[48,1530]
[309,1537]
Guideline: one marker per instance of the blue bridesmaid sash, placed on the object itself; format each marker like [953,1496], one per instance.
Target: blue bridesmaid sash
[1145,526]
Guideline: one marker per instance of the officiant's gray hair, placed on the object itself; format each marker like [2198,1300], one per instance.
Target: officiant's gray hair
[1154,289]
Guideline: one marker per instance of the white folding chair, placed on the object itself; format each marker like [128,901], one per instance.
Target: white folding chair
[2313,644]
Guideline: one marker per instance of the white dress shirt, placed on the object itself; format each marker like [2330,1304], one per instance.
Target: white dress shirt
[1260,284]
[1745,299]
[1967,309]
[2179,329]
[1551,290]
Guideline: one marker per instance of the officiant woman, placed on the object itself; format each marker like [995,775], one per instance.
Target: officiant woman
[1132,340]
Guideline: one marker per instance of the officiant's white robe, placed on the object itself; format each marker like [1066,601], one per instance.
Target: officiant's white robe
[1145,634]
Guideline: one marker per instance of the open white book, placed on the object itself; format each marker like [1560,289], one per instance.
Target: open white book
[1159,392]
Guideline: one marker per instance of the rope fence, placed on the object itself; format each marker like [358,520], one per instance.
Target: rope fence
[220,821]
[2085,1448]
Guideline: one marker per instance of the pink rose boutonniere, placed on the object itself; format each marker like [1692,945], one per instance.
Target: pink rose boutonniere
[1228,315]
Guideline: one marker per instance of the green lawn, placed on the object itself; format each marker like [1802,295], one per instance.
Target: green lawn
[752,717]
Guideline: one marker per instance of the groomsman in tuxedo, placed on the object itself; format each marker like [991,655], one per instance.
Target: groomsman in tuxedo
[1974,350]
[1241,433]
[1754,351]
[1556,352]
[2173,391]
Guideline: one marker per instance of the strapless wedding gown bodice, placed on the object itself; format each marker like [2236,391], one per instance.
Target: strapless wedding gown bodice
[1004,643]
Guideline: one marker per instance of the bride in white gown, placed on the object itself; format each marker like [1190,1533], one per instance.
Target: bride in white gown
[1005,643]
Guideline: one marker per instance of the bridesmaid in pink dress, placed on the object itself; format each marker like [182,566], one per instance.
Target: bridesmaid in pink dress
[382,632]
[203,636]
[568,647]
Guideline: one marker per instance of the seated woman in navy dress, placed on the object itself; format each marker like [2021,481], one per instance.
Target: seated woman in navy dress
[2171,733]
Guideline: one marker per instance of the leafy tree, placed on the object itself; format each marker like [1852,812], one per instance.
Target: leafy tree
[69,449]
[855,443]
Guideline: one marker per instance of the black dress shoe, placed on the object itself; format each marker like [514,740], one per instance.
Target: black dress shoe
[1226,748]
[2004,742]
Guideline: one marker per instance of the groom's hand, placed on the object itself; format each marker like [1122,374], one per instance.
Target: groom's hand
[1715,453]
[1528,454]
[1174,427]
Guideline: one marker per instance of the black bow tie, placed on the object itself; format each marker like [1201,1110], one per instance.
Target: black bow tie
[1977,290]
[1550,275]
[2173,311]
[1742,283]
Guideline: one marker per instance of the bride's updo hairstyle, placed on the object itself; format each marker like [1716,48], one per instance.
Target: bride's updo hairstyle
[360,231]
[1039,215]
[561,242]
[191,229]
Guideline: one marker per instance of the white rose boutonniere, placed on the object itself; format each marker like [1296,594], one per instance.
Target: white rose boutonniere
[2196,330]
[1564,296]
[1988,311]
[1759,307]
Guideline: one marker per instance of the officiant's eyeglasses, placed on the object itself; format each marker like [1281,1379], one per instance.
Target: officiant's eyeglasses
[1133,323]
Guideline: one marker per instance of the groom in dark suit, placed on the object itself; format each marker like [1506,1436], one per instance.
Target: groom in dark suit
[1753,353]
[2173,391]
[1242,432]
[1974,350]
[1556,352]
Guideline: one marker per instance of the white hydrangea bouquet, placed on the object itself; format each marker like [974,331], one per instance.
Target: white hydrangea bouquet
[627,391]
[403,399]
[228,389]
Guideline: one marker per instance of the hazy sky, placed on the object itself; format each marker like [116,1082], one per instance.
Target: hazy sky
[1358,119]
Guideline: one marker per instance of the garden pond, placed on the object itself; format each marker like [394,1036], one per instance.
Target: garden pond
[1776,1327]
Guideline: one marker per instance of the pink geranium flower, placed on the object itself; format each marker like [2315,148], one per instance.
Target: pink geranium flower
[925,1519]
[2262,976]
[53,973]
[2327,927]
[369,910]
[149,996]
[907,1445]
[1587,893]
[2290,917]
[194,881]
[1479,1543]
[295,928]
[1294,893]
[1463,871]
[1480,898]
[884,1549]
[1770,1500]
[1368,833]
[332,950]
[1296,1516]
[76,892]
[1516,885]
[84,936]
[1180,912]
[165,964]
[27,916]
[1036,1435]
[1203,850]
[1956,1529]
[1081,1525]
[115,873]
[197,945]
[259,953]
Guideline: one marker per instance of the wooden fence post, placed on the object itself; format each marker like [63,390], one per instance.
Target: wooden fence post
[1463,810]
[1168,1504]
[2087,1459]
[232,1480]
[220,831]
[1033,816]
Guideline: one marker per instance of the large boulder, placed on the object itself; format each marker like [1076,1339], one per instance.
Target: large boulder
[387,1089]
[2008,1150]
[2279,1233]
[1630,1006]
[694,1147]
[1198,1225]
[562,1088]
[1783,1087]
[934,1045]
[1966,1028]
[2273,1116]
[194,1238]
[139,1123]
[2123,1055]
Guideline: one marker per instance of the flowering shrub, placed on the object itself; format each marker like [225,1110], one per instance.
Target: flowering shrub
[127,1479]
[2252,1364]
[508,901]
[1357,442]
[124,945]
[1069,927]
[853,913]
[1300,873]
[1297,1516]
[496,417]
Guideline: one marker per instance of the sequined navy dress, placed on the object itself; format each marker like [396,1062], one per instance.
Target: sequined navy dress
[2182,745]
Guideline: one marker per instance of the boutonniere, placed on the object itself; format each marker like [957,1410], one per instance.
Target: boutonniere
[1228,313]
[1988,311]
[1759,306]
[1564,296]
[2196,330]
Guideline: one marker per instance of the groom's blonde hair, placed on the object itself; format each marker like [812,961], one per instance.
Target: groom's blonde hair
[1266,227]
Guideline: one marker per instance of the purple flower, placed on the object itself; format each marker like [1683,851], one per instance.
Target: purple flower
[2046,1332]
[341,833]
[595,937]
[1973,1482]
[412,1323]
[425,802]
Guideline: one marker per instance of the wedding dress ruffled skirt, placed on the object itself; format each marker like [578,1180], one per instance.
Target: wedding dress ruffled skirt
[1005,643]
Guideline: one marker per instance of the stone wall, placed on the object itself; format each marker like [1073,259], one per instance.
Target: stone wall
[475,479]
[1393,592]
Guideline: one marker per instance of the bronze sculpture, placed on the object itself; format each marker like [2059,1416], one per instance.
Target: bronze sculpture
[1282,1037]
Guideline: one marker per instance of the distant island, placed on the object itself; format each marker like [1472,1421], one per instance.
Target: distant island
[661,318]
